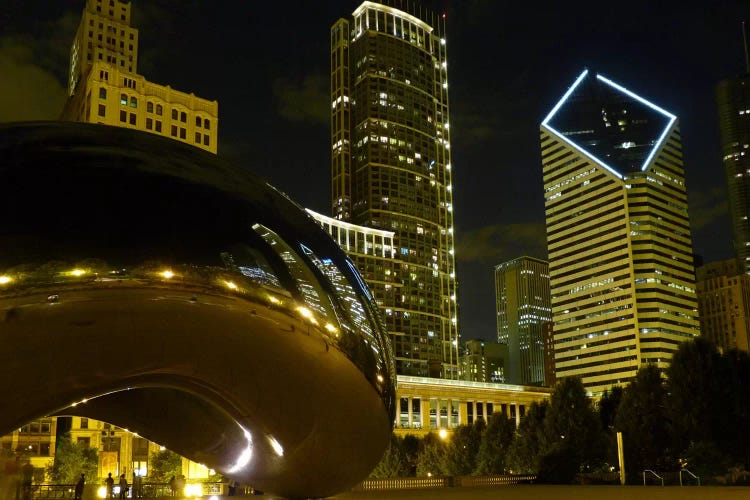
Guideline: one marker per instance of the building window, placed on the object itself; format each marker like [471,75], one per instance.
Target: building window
[174,114]
[149,107]
[183,133]
[123,99]
[132,118]
[84,423]
[158,109]
[183,117]
[84,441]
[133,102]
[149,124]
[207,124]
[102,93]
[174,130]
[102,110]
[158,126]
[205,140]
[198,121]
[123,116]
[197,137]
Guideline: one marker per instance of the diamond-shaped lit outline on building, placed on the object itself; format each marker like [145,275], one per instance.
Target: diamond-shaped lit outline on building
[625,91]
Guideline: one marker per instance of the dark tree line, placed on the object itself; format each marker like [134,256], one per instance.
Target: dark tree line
[696,415]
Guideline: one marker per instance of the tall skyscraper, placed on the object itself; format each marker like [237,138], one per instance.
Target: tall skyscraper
[733,99]
[104,85]
[724,304]
[618,235]
[522,302]
[391,170]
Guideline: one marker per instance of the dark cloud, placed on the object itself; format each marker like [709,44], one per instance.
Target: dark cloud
[708,207]
[27,90]
[497,243]
[304,101]
[33,70]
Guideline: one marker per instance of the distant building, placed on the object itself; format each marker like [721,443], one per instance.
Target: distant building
[548,334]
[391,170]
[428,404]
[34,442]
[105,87]
[522,300]
[724,304]
[618,234]
[733,99]
[482,361]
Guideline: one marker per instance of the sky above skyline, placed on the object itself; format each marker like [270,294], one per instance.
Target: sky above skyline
[267,64]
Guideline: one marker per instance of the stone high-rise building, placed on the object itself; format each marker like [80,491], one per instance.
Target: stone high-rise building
[104,85]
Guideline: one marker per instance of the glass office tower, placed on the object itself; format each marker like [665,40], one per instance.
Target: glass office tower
[618,235]
[391,170]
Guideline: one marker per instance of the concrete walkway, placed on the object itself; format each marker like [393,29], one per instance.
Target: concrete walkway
[543,492]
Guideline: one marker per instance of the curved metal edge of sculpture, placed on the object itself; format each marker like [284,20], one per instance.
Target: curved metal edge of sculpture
[161,289]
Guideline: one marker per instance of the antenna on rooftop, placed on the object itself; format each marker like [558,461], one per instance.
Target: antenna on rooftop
[744,39]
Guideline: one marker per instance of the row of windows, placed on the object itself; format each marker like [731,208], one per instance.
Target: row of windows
[181,115]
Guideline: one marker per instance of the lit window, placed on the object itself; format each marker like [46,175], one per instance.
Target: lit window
[133,102]
[123,99]
[102,93]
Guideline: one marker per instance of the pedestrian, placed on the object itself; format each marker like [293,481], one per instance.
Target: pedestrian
[137,485]
[123,487]
[110,483]
[79,487]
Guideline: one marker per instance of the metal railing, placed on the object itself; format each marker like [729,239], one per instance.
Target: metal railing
[404,483]
[654,474]
[693,475]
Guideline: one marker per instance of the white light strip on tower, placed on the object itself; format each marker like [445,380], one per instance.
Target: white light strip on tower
[651,105]
[565,97]
[554,111]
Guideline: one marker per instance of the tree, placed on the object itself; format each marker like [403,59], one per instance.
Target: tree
[701,403]
[643,420]
[461,456]
[72,459]
[526,449]
[431,456]
[164,464]
[497,439]
[394,462]
[608,405]
[572,423]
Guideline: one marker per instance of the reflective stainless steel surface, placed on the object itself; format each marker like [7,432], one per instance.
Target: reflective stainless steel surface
[159,288]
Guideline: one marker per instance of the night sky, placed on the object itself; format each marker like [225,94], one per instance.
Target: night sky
[267,64]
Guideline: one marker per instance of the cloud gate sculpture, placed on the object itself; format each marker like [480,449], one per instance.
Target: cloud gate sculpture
[159,288]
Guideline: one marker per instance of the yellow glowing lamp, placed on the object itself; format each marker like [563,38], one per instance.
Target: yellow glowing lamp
[330,328]
[273,300]
[77,272]
[230,285]
[166,274]
[4,280]
[443,434]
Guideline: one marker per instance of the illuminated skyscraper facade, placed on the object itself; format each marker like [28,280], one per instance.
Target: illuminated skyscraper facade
[391,170]
[724,304]
[618,235]
[104,85]
[733,99]
[522,302]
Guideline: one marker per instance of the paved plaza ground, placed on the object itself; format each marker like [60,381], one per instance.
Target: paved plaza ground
[544,492]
